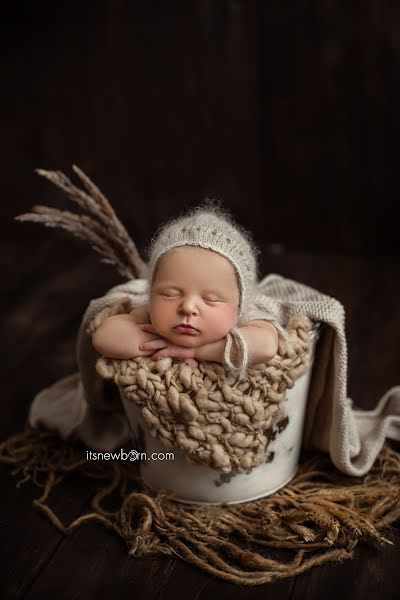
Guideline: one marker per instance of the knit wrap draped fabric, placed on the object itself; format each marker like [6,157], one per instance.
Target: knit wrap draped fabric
[81,404]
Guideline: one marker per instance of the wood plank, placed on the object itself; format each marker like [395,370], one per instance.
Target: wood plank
[327,88]
[77,570]
[93,562]
[41,348]
[29,539]
[376,364]
[371,574]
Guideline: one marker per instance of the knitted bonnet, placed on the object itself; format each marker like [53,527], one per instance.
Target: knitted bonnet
[209,227]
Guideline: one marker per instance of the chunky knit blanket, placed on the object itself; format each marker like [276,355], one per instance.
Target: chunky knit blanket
[214,416]
[81,406]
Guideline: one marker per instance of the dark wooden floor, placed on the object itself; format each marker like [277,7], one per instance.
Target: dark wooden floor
[47,291]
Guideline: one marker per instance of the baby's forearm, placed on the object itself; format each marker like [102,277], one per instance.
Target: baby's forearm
[120,337]
[262,341]
[213,351]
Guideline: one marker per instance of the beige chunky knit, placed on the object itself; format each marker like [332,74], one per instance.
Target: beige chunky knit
[213,417]
[78,405]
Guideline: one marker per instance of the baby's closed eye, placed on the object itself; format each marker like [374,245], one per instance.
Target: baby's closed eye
[212,299]
[169,292]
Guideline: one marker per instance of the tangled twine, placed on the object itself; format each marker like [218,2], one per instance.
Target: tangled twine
[214,418]
[320,516]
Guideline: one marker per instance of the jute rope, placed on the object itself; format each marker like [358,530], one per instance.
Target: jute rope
[320,516]
[214,417]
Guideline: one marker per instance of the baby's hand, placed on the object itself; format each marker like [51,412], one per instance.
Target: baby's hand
[166,348]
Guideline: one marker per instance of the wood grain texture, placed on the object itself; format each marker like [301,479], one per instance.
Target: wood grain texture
[288,113]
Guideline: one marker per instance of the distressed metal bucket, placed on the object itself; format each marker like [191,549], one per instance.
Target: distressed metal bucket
[192,483]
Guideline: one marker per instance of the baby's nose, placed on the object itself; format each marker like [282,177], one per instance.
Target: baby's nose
[188,307]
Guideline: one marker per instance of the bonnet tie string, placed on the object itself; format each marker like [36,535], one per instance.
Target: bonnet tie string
[234,336]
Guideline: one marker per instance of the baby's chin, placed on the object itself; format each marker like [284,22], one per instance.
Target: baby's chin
[187,341]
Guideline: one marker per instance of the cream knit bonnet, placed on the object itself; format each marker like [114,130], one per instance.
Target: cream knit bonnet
[209,227]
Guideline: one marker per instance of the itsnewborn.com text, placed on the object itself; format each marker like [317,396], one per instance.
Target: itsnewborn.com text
[131,455]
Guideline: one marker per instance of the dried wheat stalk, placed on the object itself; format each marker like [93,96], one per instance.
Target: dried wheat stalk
[97,224]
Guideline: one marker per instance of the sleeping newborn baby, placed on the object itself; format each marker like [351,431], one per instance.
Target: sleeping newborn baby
[202,276]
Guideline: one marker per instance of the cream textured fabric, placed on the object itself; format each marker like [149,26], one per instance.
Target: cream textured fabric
[353,438]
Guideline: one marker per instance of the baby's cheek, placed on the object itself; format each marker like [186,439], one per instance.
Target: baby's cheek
[160,315]
[223,321]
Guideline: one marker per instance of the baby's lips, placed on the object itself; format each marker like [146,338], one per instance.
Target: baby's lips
[188,326]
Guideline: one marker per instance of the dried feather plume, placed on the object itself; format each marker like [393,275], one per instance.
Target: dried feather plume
[97,224]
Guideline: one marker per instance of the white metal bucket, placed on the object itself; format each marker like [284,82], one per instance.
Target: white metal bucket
[200,484]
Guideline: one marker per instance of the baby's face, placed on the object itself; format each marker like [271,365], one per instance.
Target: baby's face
[198,287]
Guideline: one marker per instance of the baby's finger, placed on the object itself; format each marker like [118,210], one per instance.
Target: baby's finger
[160,354]
[153,345]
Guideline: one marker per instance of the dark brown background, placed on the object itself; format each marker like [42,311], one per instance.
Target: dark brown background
[286,111]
